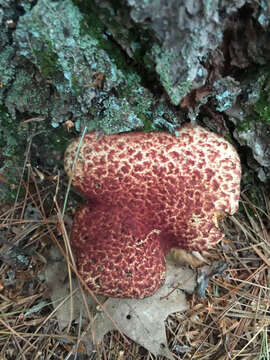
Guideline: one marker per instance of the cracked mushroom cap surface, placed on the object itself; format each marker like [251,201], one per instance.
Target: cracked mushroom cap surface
[180,185]
[118,254]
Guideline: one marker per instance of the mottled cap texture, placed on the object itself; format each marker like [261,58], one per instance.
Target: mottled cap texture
[177,186]
[117,253]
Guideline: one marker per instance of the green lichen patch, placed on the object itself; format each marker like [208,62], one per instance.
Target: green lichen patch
[12,149]
[93,26]
[256,87]
[253,191]
[12,136]
[47,61]
[7,70]
[245,124]
[46,150]
[163,60]
[28,94]
[81,66]
[262,106]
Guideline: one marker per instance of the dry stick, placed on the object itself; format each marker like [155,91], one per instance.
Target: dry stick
[70,254]
[257,317]
[37,335]
[42,213]
[81,281]
[61,222]
[41,118]
[66,240]
[267,204]
[17,334]
[26,194]
[249,283]
[29,144]
[23,221]
[254,208]
[72,170]
[76,348]
[242,294]
[3,224]
[211,324]
[20,349]
[60,248]
[238,223]
[235,289]
[261,255]
[228,308]
[179,285]
[19,187]
[243,322]
[71,265]
[37,236]
[128,351]
[67,252]
[4,180]
[250,341]
[46,319]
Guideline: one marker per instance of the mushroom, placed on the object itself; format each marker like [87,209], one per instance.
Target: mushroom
[148,193]
[117,253]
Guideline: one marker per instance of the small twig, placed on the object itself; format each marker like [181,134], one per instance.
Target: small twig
[72,171]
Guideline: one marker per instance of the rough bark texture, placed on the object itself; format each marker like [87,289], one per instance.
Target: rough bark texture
[131,64]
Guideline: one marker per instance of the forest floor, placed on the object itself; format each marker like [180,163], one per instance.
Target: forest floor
[232,322]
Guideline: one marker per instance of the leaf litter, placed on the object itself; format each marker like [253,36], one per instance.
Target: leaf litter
[232,322]
[142,320]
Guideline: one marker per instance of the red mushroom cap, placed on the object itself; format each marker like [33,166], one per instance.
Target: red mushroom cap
[118,255]
[177,185]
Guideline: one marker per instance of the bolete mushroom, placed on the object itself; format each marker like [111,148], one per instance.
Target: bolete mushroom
[148,193]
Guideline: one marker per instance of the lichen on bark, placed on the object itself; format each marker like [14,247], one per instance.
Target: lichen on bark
[124,65]
[73,58]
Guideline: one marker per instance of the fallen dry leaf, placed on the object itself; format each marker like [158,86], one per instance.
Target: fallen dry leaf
[142,320]
[56,275]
